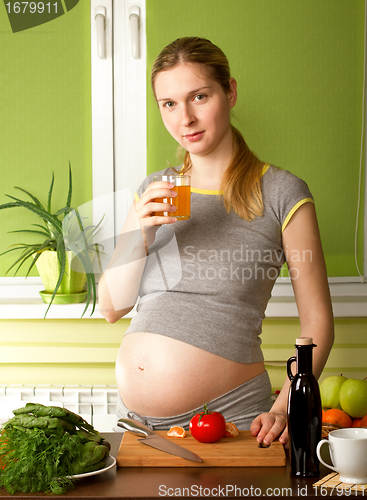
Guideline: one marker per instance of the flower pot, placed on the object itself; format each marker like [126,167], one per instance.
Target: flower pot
[73,282]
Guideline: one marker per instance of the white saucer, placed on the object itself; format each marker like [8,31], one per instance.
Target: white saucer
[110,462]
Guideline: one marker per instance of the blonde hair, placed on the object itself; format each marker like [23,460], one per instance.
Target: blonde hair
[241,182]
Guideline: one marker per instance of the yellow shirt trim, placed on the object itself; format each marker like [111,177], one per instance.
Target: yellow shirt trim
[206,191]
[212,191]
[294,209]
[265,169]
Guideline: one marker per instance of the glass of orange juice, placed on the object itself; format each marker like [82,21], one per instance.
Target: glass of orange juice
[181,201]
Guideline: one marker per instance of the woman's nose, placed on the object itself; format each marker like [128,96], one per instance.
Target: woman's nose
[187,118]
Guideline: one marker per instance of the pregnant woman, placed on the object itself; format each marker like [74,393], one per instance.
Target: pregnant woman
[203,284]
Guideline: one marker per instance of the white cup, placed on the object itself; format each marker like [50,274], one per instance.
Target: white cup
[348,452]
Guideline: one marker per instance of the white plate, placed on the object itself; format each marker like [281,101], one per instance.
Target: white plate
[110,462]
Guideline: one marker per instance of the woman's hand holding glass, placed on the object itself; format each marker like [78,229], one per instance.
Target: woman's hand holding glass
[128,260]
[147,207]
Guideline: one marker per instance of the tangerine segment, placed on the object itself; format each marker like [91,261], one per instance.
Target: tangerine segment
[231,430]
[176,432]
[338,417]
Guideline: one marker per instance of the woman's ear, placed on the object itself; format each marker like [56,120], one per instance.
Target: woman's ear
[232,93]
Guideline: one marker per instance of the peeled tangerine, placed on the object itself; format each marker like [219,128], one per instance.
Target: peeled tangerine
[177,432]
[231,430]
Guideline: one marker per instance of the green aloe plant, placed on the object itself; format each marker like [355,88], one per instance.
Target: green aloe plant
[61,231]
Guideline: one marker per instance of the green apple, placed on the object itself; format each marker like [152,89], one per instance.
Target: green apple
[353,397]
[329,391]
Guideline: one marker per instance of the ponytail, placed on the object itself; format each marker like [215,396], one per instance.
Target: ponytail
[241,182]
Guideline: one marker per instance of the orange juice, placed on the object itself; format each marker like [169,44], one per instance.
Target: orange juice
[161,200]
[181,201]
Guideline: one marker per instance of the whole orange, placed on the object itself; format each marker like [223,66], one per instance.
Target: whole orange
[337,417]
[363,422]
[356,422]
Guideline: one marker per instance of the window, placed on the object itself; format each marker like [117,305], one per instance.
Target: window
[119,127]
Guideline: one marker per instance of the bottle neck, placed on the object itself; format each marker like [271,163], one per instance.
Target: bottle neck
[304,358]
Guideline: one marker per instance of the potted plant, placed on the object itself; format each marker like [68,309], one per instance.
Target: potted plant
[64,256]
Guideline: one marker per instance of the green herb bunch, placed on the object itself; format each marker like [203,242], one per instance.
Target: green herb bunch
[38,454]
[61,231]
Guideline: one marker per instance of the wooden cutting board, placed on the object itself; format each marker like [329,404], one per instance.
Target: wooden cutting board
[240,451]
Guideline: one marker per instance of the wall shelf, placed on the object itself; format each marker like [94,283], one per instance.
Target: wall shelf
[349,300]
[20,299]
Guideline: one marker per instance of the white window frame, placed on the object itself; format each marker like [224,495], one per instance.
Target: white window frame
[118,115]
[119,163]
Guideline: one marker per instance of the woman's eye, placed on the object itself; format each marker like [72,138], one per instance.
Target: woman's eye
[200,97]
[168,104]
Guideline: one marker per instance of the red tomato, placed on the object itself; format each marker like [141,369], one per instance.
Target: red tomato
[207,426]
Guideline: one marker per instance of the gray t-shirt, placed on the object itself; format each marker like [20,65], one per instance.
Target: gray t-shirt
[208,279]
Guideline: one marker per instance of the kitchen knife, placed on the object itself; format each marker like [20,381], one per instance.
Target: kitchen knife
[152,439]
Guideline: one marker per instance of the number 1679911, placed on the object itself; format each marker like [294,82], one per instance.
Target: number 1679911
[339,490]
[31,7]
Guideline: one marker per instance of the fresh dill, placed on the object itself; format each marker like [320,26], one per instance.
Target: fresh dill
[34,459]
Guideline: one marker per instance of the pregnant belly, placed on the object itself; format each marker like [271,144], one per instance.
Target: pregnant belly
[159,377]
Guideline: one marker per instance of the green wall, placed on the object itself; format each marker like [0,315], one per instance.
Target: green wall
[299,67]
[45,106]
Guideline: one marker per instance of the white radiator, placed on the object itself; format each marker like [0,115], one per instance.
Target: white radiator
[96,404]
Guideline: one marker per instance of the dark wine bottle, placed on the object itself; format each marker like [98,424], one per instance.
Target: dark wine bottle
[304,412]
